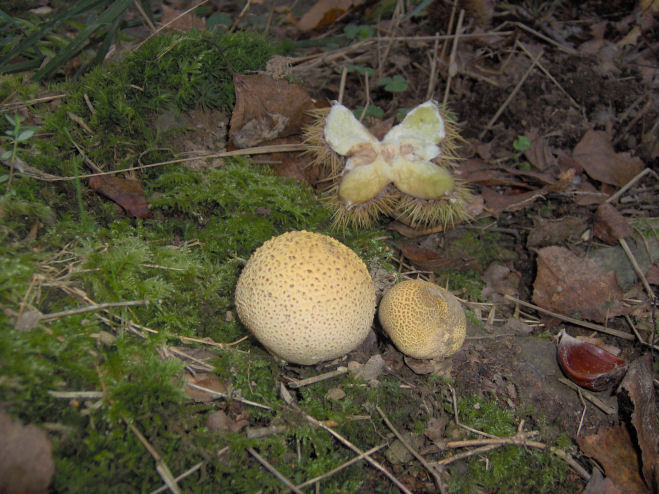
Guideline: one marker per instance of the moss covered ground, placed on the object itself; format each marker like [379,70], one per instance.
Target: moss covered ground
[62,247]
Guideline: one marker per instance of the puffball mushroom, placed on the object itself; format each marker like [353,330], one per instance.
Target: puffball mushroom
[423,320]
[408,175]
[306,297]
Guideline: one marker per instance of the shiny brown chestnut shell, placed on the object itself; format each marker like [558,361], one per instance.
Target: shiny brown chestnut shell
[589,365]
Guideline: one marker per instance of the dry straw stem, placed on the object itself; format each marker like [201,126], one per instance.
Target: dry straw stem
[357,458]
[492,442]
[431,469]
[185,474]
[300,383]
[288,399]
[274,471]
[228,396]
[571,320]
[593,399]
[47,177]
[161,467]
[452,65]
[550,77]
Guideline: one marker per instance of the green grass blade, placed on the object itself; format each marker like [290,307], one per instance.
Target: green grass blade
[72,49]
[81,7]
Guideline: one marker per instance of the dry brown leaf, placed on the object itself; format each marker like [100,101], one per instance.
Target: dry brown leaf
[127,193]
[636,397]
[499,203]
[552,232]
[409,232]
[499,281]
[479,171]
[586,194]
[208,381]
[599,484]
[539,154]
[597,156]
[609,225]
[612,447]
[26,461]
[373,367]
[324,13]
[652,274]
[266,109]
[573,285]
[426,259]
[435,429]
[220,422]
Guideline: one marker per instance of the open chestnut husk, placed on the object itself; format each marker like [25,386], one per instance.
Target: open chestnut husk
[589,365]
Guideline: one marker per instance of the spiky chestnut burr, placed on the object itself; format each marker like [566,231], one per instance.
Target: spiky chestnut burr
[408,175]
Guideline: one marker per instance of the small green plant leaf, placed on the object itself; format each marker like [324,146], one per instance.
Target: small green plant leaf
[25,135]
[371,111]
[360,70]
[358,32]
[217,21]
[395,84]
[401,114]
[522,143]
[6,155]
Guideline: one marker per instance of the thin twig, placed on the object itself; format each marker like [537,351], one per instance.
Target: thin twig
[347,443]
[367,90]
[434,68]
[593,399]
[185,474]
[275,148]
[286,396]
[432,470]
[228,396]
[629,184]
[300,383]
[342,86]
[452,65]
[549,76]
[90,308]
[240,16]
[637,268]
[74,395]
[457,418]
[467,454]
[147,19]
[274,471]
[521,438]
[357,458]
[161,467]
[566,49]
[571,320]
[510,96]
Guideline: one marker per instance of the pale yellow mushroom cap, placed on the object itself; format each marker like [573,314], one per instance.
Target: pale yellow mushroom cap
[306,297]
[422,319]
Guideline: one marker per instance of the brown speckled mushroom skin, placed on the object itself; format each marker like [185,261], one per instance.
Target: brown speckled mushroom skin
[422,319]
[306,297]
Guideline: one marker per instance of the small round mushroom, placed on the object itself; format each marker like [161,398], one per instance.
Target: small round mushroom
[306,297]
[423,320]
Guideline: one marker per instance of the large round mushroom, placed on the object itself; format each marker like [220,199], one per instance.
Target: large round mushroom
[306,297]
[422,319]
